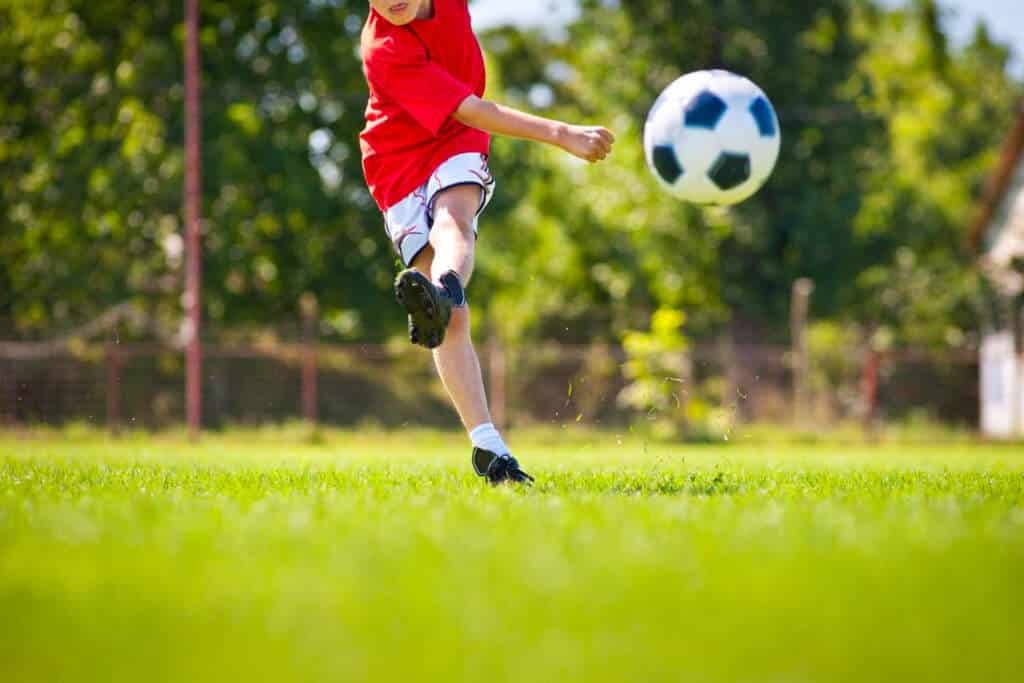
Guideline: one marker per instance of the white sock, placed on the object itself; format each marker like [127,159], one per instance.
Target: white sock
[487,437]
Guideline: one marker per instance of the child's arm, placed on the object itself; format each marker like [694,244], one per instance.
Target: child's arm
[591,143]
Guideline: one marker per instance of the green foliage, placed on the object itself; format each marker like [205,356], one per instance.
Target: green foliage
[253,559]
[91,163]
[887,136]
[836,353]
[945,116]
[659,371]
[663,385]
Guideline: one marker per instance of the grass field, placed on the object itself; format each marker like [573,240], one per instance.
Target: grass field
[377,557]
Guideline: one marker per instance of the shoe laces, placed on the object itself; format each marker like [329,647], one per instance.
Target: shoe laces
[506,467]
[453,289]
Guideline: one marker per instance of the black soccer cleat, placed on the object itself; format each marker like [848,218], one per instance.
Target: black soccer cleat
[429,308]
[499,469]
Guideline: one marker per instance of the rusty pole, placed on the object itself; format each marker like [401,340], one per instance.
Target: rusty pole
[799,308]
[310,324]
[114,388]
[193,198]
[869,382]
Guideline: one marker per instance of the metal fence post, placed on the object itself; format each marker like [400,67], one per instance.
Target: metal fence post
[799,309]
[114,388]
[310,322]
[11,394]
[869,388]
[1017,318]
[193,209]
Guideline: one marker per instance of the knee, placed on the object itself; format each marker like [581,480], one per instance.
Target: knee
[452,225]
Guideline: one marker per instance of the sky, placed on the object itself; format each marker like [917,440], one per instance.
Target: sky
[1005,18]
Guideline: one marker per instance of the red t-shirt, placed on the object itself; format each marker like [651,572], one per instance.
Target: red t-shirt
[418,74]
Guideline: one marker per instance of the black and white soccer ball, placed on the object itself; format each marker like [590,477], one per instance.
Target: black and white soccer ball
[712,137]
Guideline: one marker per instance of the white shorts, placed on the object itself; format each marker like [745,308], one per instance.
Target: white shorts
[409,221]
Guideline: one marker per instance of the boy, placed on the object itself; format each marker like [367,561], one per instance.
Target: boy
[425,150]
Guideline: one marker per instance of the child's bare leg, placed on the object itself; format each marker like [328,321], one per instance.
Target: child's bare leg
[452,247]
[451,237]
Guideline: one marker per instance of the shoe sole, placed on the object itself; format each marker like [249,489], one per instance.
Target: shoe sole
[427,319]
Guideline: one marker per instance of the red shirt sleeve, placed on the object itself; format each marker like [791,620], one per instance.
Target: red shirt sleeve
[399,69]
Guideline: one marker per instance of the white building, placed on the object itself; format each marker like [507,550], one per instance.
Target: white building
[998,235]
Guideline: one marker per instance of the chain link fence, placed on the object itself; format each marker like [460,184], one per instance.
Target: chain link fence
[142,386]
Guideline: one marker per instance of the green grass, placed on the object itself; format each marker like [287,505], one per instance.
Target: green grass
[378,557]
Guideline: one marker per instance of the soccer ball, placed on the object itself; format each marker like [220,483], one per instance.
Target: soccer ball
[712,137]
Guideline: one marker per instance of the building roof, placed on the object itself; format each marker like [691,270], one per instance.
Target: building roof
[999,182]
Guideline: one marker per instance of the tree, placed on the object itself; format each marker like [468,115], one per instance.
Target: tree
[887,134]
[875,166]
[91,163]
[945,114]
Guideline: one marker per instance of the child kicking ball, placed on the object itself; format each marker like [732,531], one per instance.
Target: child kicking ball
[425,156]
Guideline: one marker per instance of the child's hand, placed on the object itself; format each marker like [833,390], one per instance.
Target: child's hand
[590,143]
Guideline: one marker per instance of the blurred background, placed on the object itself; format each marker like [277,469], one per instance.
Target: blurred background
[875,281]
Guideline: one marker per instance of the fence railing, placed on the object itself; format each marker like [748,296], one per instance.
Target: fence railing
[142,385]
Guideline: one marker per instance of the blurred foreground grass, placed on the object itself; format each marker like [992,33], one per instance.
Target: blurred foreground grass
[379,557]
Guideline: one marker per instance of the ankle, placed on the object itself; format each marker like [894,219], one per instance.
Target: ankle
[451,285]
[486,437]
